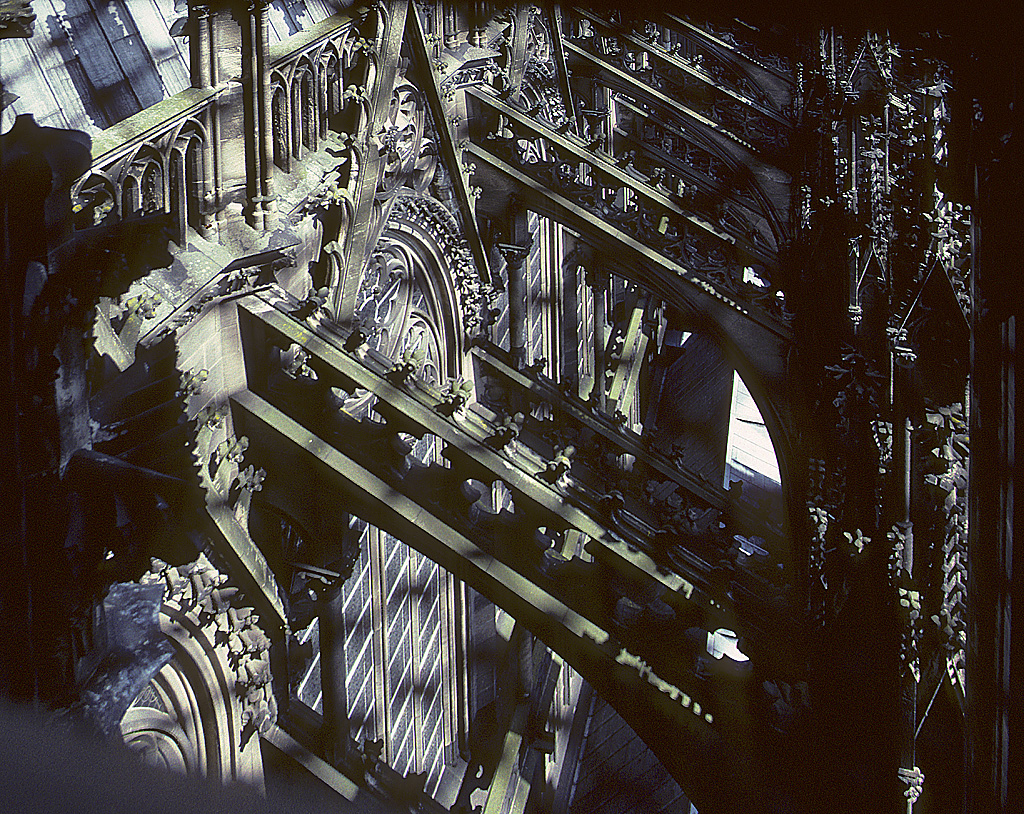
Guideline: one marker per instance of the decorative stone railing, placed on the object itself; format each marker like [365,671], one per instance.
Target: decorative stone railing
[318,81]
[692,97]
[657,218]
[550,500]
[159,160]
[541,145]
[648,626]
[165,158]
[689,53]
[734,41]
[675,160]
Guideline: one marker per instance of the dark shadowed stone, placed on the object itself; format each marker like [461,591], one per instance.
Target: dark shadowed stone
[133,613]
[16,19]
[137,650]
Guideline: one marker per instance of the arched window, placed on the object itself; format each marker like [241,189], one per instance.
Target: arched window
[401,632]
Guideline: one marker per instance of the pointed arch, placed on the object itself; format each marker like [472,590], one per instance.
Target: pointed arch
[144,182]
[198,714]
[96,200]
[303,103]
[280,116]
[331,90]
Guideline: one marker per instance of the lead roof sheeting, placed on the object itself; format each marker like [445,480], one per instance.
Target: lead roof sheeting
[23,79]
[288,17]
[93,63]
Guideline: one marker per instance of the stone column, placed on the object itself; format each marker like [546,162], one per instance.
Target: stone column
[478,23]
[214,170]
[570,320]
[451,25]
[265,124]
[516,260]
[200,46]
[251,92]
[333,674]
[202,77]
[598,282]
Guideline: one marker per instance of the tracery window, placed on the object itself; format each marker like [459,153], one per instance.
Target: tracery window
[401,611]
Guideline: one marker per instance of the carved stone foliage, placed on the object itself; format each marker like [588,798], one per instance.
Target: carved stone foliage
[221,456]
[119,324]
[950,246]
[857,388]
[475,297]
[946,461]
[200,600]
[820,519]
